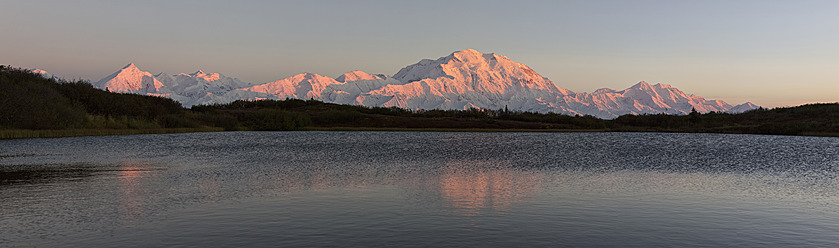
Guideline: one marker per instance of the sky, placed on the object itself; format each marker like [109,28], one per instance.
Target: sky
[772,53]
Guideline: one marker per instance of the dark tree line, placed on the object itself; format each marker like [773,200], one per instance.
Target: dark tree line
[29,101]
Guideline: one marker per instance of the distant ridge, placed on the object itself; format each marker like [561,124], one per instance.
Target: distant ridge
[462,80]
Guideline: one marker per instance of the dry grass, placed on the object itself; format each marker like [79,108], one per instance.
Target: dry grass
[387,129]
[23,133]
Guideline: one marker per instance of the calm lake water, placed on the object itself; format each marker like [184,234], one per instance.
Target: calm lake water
[420,189]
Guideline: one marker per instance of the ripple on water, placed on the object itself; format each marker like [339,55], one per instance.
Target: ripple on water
[420,189]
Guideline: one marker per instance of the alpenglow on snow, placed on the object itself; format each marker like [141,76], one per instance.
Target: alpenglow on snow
[462,80]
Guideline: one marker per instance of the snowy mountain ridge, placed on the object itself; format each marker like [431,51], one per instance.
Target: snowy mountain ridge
[462,80]
[130,79]
[44,73]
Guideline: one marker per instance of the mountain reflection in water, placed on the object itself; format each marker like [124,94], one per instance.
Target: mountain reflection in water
[420,189]
[471,192]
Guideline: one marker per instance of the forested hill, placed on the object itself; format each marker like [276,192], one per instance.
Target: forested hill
[811,119]
[29,101]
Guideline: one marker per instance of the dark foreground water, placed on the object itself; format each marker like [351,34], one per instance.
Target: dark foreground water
[386,189]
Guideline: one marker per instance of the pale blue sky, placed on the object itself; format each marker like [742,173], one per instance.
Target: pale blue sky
[773,53]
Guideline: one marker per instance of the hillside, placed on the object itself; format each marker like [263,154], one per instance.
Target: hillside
[31,101]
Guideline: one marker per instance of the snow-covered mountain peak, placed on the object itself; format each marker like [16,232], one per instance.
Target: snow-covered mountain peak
[478,71]
[658,94]
[201,88]
[427,68]
[470,55]
[130,66]
[311,76]
[750,104]
[463,79]
[468,51]
[131,70]
[664,86]
[209,77]
[358,75]
[643,85]
[603,91]
[743,108]
[44,73]
[302,86]
[130,79]
[425,62]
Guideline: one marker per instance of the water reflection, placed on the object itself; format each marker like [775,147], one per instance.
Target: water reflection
[132,193]
[209,188]
[419,189]
[472,192]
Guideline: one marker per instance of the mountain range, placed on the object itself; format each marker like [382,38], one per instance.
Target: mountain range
[462,80]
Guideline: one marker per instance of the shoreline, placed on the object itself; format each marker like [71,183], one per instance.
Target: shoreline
[487,130]
[28,134]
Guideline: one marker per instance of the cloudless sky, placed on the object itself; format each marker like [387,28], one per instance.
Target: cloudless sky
[772,53]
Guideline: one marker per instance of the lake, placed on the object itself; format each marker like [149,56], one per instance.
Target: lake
[420,189]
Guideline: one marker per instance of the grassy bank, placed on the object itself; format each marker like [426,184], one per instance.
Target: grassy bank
[487,130]
[23,133]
